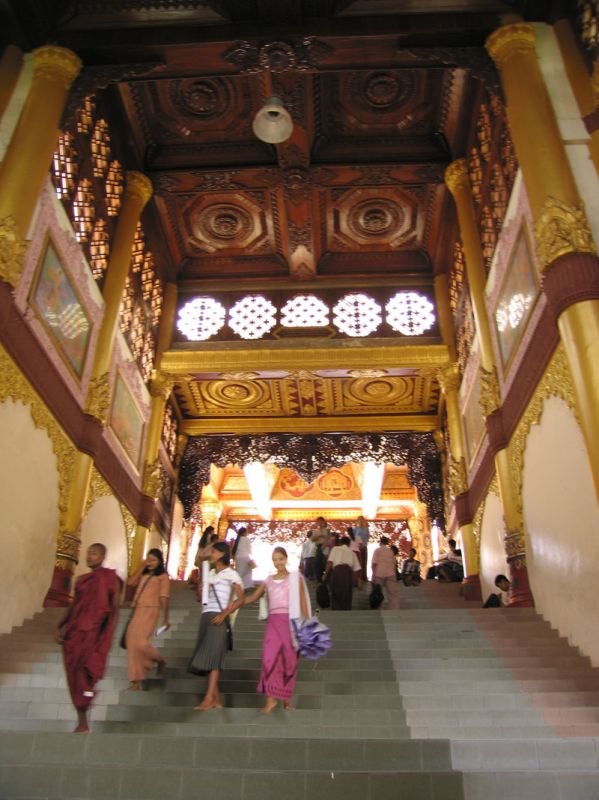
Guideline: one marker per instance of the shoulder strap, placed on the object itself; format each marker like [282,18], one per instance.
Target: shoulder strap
[141,591]
[214,592]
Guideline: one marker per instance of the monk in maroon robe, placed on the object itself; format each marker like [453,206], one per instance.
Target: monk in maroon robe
[87,629]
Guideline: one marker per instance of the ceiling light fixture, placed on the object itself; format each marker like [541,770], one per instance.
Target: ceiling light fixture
[273,123]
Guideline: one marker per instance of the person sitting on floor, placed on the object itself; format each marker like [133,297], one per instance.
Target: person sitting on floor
[448,567]
[505,587]
[410,569]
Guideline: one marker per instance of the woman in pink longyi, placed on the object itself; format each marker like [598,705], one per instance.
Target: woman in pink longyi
[288,600]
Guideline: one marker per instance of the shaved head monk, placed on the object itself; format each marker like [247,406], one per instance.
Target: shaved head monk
[86,631]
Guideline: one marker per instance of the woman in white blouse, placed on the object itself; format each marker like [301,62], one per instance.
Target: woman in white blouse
[222,594]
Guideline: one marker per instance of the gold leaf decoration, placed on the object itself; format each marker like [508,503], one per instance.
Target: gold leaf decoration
[561,229]
[98,397]
[458,477]
[152,479]
[163,384]
[12,251]
[490,397]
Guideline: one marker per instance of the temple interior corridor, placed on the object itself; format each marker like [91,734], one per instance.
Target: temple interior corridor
[440,700]
[265,261]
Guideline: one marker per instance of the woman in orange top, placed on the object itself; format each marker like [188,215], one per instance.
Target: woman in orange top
[151,598]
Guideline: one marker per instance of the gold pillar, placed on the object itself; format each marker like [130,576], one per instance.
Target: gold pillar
[10,70]
[137,551]
[444,314]
[29,153]
[138,191]
[579,78]
[563,237]
[162,386]
[449,379]
[458,183]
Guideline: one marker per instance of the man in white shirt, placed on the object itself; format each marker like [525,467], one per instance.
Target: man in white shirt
[307,558]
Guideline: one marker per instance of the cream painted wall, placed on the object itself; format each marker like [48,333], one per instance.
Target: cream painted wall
[29,496]
[492,548]
[562,521]
[104,523]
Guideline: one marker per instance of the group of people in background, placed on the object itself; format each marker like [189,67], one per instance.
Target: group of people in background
[341,562]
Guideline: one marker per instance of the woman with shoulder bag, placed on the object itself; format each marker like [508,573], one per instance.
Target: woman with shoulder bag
[222,594]
[288,603]
[151,597]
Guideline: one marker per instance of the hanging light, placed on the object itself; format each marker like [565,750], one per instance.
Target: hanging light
[273,123]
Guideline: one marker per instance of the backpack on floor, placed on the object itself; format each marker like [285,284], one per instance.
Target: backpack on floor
[323,598]
[376,596]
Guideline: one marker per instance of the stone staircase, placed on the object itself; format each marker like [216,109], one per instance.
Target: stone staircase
[440,700]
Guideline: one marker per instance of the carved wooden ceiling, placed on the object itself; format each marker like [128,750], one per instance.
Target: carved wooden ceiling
[383,95]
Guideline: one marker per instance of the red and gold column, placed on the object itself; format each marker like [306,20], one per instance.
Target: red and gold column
[137,192]
[449,380]
[29,153]
[458,183]
[564,242]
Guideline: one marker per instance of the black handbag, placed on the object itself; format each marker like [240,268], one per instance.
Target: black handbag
[376,596]
[123,639]
[228,625]
[323,598]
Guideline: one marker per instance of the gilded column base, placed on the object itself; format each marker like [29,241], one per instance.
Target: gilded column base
[59,593]
[521,592]
[471,588]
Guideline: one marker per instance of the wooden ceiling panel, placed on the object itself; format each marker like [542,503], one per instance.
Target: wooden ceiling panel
[374,219]
[309,395]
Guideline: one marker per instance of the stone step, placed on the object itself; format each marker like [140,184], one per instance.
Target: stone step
[128,767]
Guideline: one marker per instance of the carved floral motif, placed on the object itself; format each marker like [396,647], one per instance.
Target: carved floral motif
[163,384]
[561,229]
[278,56]
[12,251]
[152,479]
[458,477]
[490,396]
[98,398]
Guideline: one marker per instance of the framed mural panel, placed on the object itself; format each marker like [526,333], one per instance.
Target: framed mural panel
[517,296]
[57,305]
[127,421]
[473,419]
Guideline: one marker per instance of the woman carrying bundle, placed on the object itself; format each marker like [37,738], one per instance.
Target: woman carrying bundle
[288,601]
